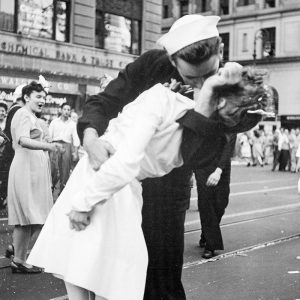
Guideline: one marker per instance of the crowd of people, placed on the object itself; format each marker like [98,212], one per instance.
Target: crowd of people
[119,219]
[279,148]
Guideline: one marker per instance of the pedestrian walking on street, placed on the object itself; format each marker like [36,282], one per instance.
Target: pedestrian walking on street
[293,149]
[246,154]
[63,130]
[213,195]
[107,255]
[284,148]
[276,151]
[258,148]
[29,185]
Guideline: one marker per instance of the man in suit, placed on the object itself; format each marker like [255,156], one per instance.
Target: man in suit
[213,189]
[192,53]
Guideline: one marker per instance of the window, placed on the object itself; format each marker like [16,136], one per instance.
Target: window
[117,33]
[184,7]
[245,2]
[165,11]
[7,15]
[269,41]
[224,7]
[61,21]
[270,3]
[245,42]
[225,41]
[203,6]
[43,18]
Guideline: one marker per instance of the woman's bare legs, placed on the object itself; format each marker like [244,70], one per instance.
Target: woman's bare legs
[21,240]
[22,236]
[77,293]
[100,298]
[35,231]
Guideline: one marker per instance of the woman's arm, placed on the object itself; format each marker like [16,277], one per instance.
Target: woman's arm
[141,120]
[36,145]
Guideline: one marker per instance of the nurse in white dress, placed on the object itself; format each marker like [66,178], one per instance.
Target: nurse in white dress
[109,257]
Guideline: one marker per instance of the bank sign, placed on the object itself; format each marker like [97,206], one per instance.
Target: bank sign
[65,53]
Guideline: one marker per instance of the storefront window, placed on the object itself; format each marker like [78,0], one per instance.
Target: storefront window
[61,29]
[35,18]
[7,15]
[43,18]
[117,33]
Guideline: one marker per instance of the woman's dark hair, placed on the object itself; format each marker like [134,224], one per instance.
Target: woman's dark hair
[249,95]
[4,105]
[29,88]
[256,134]
[199,52]
[65,104]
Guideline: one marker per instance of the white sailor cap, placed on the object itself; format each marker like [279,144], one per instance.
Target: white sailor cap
[188,30]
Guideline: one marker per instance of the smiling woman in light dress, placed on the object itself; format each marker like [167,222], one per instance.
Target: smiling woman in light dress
[109,257]
[29,185]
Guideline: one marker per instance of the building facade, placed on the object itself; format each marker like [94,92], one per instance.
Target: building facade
[261,32]
[72,43]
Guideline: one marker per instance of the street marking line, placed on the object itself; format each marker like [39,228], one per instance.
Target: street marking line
[65,297]
[246,213]
[289,187]
[240,252]
[254,182]
[243,193]
[193,199]
[257,181]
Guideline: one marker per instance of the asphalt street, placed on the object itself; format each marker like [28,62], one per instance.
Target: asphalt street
[261,260]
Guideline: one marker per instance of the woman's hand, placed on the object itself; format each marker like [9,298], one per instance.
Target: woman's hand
[51,147]
[98,150]
[60,148]
[79,220]
[56,147]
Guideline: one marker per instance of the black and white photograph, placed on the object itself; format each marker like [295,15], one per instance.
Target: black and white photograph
[149,150]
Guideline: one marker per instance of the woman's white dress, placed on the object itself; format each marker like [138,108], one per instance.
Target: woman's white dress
[29,196]
[109,257]
[245,146]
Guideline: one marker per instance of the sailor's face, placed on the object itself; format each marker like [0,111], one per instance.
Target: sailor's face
[195,75]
